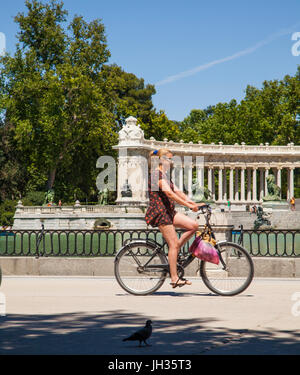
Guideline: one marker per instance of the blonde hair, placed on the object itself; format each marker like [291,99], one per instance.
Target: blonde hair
[161,152]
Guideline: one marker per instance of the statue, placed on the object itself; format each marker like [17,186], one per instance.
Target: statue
[126,190]
[103,197]
[49,197]
[262,218]
[201,194]
[273,190]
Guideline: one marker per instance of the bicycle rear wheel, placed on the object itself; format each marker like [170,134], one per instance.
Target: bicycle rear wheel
[140,268]
[232,279]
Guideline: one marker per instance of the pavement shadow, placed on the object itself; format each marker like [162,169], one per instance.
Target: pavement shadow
[187,294]
[82,333]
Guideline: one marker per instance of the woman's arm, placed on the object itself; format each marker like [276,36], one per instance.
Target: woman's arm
[181,194]
[179,198]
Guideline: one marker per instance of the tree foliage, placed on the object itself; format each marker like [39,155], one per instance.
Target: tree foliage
[270,114]
[62,105]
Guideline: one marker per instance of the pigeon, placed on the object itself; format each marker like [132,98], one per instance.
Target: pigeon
[142,334]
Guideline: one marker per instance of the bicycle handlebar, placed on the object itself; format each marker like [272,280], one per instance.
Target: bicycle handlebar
[204,208]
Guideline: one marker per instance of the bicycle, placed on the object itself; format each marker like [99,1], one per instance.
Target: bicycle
[141,266]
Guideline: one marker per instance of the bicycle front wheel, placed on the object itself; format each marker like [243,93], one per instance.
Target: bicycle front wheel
[233,275]
[140,268]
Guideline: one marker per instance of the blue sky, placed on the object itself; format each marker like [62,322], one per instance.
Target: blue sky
[224,45]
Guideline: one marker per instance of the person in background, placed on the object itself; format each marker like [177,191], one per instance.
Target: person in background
[229,205]
[293,204]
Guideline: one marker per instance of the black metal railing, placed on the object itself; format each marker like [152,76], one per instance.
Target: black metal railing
[93,243]
[73,243]
[269,242]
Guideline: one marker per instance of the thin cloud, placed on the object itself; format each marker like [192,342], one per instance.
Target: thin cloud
[244,52]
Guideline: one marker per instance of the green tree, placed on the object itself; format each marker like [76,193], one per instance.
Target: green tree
[51,91]
[128,93]
[270,114]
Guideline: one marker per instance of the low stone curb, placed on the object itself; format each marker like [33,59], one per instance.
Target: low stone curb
[104,266]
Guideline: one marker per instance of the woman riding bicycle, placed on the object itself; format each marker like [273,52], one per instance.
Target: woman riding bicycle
[161,211]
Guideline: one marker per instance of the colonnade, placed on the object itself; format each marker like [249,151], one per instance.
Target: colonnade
[237,184]
[237,173]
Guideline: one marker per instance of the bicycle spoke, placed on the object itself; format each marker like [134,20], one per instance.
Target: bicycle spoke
[237,274]
[140,269]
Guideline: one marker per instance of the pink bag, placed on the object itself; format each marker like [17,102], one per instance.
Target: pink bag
[204,251]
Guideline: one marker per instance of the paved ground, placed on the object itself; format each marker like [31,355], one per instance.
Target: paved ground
[80,315]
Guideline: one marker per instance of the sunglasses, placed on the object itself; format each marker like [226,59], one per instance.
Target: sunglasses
[168,159]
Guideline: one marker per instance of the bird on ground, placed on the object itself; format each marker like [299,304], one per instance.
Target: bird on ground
[141,335]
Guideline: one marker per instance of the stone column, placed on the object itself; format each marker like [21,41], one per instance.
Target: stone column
[200,175]
[248,184]
[288,195]
[231,197]
[181,178]
[278,178]
[261,183]
[236,185]
[190,180]
[220,197]
[254,183]
[266,175]
[224,185]
[243,184]
[209,179]
[291,182]
[213,185]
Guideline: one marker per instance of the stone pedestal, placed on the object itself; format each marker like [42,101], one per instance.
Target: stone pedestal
[132,165]
[276,205]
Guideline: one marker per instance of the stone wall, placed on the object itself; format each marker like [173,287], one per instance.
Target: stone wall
[11,266]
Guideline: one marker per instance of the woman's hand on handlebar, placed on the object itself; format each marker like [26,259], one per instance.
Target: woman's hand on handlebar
[202,205]
[196,206]
[193,206]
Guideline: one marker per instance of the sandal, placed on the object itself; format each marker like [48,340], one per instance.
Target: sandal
[177,284]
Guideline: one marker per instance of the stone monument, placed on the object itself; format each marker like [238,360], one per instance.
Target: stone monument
[273,199]
[103,197]
[201,193]
[262,218]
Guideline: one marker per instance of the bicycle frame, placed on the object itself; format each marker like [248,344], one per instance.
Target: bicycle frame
[148,262]
[188,259]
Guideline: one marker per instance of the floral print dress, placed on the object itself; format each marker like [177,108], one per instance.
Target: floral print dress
[161,209]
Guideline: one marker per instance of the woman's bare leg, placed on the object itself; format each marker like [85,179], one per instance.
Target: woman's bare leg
[185,222]
[170,235]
